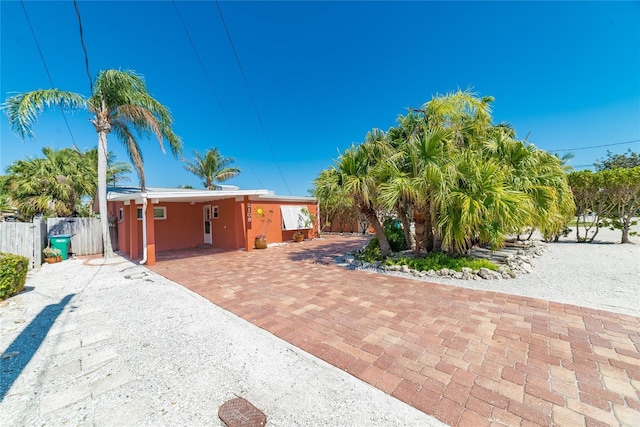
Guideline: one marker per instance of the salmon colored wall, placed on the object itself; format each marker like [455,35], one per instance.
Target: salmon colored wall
[184,226]
[112,208]
[123,236]
[223,228]
[275,233]
[134,230]
[242,224]
[151,237]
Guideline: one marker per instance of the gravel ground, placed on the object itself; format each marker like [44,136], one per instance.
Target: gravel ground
[604,274]
[120,345]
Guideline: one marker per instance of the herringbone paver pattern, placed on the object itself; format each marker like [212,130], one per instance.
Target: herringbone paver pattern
[467,357]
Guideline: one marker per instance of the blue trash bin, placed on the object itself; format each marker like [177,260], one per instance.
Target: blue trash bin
[61,242]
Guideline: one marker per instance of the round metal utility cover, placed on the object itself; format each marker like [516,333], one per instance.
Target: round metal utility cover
[239,412]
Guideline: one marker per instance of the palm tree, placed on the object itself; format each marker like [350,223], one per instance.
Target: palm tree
[357,175]
[539,175]
[463,113]
[51,185]
[475,204]
[116,171]
[212,167]
[413,173]
[120,103]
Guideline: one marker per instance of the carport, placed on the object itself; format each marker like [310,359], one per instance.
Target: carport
[164,219]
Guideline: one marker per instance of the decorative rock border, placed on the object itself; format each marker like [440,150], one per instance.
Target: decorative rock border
[514,260]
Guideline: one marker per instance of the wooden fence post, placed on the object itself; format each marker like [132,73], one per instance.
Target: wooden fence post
[39,240]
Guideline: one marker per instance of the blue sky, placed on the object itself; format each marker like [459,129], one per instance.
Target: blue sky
[322,74]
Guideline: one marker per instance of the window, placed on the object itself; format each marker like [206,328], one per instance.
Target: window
[121,215]
[293,218]
[159,212]
[216,212]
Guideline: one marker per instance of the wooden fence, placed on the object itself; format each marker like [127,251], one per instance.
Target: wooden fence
[86,234]
[24,238]
[29,238]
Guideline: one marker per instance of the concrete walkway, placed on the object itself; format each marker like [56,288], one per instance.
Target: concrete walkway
[118,345]
[467,357]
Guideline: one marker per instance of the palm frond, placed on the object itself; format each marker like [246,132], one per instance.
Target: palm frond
[124,134]
[22,110]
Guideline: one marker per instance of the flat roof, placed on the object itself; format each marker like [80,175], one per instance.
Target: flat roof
[119,194]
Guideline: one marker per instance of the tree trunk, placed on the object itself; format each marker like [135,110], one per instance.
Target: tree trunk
[531,233]
[428,232]
[406,225]
[625,235]
[419,219]
[385,247]
[102,193]
[595,233]
[625,223]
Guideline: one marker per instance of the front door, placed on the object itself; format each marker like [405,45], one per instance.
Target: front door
[206,214]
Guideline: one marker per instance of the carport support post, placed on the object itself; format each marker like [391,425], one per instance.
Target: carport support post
[247,221]
[133,230]
[151,236]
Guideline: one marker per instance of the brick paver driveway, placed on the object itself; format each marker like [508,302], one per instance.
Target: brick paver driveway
[467,357]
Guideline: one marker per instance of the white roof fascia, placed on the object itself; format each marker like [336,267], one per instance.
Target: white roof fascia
[307,199]
[182,196]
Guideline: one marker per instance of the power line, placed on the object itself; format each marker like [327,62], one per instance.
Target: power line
[595,146]
[224,113]
[33,33]
[246,83]
[84,48]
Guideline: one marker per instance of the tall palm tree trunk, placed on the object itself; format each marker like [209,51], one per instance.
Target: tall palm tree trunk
[406,225]
[419,219]
[385,247]
[428,231]
[102,193]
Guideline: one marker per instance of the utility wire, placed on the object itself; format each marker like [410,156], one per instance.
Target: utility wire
[33,33]
[253,102]
[84,48]
[595,146]
[224,113]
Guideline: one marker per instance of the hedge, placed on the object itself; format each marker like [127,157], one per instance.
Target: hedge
[13,274]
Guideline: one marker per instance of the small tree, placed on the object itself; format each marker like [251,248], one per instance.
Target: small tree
[590,205]
[629,159]
[621,190]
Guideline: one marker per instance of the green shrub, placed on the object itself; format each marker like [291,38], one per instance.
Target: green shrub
[433,261]
[439,260]
[371,252]
[395,234]
[13,274]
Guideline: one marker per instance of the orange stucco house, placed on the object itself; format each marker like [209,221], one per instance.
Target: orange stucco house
[164,219]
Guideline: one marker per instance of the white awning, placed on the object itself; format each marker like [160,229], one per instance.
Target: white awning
[293,218]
